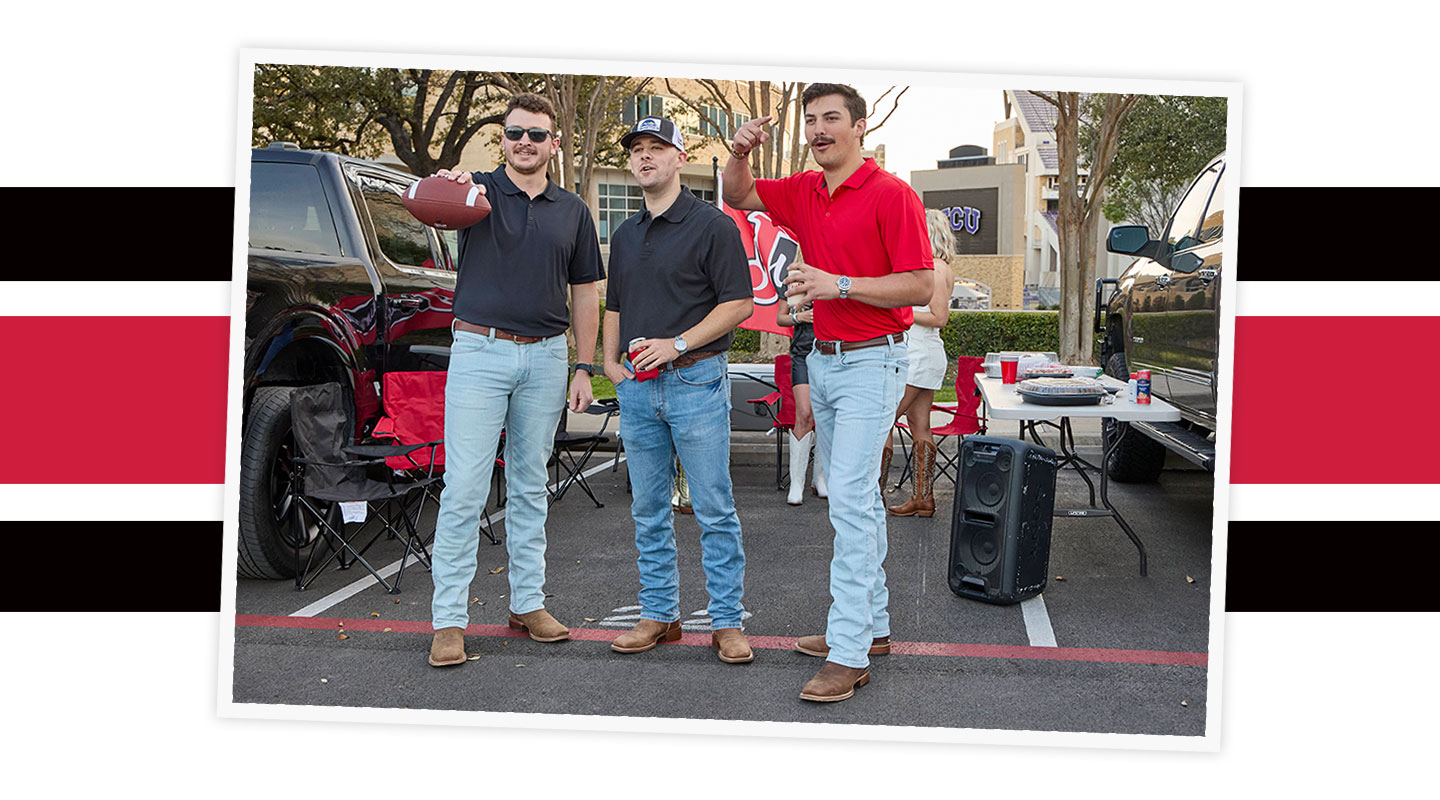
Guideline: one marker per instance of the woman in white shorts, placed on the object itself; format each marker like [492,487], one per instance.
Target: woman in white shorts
[928,363]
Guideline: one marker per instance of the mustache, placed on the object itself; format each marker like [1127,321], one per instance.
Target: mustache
[821,140]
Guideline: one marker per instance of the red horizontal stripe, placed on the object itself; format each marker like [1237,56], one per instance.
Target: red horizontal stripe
[114,399]
[757,642]
[1336,400]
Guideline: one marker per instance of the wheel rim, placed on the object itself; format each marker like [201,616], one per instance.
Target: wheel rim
[284,493]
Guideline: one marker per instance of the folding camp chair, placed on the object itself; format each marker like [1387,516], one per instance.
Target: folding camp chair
[563,457]
[964,420]
[415,415]
[780,405]
[334,470]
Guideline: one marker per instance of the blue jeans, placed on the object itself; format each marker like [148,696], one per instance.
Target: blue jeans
[854,396]
[493,384]
[684,412]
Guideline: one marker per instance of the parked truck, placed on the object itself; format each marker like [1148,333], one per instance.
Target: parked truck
[1163,316]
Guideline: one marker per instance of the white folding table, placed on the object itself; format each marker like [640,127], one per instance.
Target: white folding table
[1004,402]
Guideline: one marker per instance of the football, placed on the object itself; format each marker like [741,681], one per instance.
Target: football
[444,204]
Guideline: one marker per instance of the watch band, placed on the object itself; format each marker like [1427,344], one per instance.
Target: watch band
[589,368]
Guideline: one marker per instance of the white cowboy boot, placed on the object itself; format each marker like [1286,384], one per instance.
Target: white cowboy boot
[818,480]
[799,457]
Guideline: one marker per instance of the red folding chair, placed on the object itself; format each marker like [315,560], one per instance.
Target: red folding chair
[964,419]
[780,405]
[414,405]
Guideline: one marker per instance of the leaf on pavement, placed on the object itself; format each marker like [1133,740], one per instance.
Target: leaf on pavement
[1059,577]
[517,666]
[1185,703]
[589,619]
[472,658]
[387,630]
[342,636]
[1189,579]
[497,570]
[374,613]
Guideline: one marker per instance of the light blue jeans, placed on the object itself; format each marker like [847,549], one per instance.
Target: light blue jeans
[494,384]
[854,396]
[684,412]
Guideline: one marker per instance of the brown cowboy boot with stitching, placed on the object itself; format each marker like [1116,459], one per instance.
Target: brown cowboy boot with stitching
[448,647]
[834,682]
[885,459]
[540,625]
[645,635]
[732,646]
[816,646]
[922,500]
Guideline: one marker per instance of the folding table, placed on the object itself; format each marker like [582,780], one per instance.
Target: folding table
[1004,402]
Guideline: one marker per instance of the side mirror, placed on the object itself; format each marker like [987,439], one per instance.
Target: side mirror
[1186,263]
[1128,239]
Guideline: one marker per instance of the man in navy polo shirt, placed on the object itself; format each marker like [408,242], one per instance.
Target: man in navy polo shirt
[868,254]
[679,284]
[508,368]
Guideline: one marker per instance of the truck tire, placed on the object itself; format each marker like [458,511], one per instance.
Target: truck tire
[267,490]
[1137,458]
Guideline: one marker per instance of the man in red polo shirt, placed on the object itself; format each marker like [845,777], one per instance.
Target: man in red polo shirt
[868,261]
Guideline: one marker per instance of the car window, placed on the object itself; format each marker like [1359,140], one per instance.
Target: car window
[288,210]
[401,237]
[449,248]
[1185,223]
[1214,223]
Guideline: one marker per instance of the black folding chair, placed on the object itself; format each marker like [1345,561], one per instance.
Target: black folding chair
[334,470]
[564,458]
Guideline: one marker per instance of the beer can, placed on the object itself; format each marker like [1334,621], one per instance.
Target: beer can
[1142,387]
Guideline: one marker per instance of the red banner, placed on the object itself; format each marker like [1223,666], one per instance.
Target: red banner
[771,249]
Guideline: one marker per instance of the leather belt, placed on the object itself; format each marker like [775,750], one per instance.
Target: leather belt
[686,359]
[485,330]
[831,348]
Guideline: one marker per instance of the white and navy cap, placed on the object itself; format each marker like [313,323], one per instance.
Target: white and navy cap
[659,127]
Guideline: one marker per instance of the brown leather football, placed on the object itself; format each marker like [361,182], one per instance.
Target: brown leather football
[444,204]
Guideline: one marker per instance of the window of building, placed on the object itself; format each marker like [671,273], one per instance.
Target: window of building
[642,106]
[617,201]
[714,122]
[706,195]
[288,211]
[740,119]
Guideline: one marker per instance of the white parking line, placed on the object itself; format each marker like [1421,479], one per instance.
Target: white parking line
[1037,622]
[345,593]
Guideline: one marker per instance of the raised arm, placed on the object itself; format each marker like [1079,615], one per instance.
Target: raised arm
[739,182]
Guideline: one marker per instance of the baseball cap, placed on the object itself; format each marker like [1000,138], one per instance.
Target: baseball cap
[659,127]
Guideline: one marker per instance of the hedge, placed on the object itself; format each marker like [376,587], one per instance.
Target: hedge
[975,333]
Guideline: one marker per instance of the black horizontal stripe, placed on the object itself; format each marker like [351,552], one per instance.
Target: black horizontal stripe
[176,566]
[1330,234]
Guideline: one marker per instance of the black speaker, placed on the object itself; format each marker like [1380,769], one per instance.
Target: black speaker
[1000,528]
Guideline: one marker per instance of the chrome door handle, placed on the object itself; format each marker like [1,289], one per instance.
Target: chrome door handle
[1163,280]
[1208,275]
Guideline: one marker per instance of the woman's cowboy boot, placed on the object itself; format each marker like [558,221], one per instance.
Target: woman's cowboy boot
[922,501]
[799,458]
[885,458]
[680,497]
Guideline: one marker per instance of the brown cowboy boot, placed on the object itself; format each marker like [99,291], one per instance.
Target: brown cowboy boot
[834,682]
[922,500]
[885,458]
[448,647]
[815,646]
[645,635]
[540,625]
[732,646]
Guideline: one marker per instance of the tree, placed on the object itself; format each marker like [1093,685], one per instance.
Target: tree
[1079,216]
[1166,140]
[426,116]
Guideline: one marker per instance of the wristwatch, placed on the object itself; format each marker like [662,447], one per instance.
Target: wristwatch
[843,282]
[680,345]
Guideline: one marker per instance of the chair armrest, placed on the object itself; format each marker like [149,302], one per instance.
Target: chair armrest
[773,397]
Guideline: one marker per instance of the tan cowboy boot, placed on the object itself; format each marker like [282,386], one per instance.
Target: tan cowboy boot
[732,646]
[645,635]
[834,682]
[885,458]
[448,647]
[816,646]
[540,625]
[922,500]
[680,497]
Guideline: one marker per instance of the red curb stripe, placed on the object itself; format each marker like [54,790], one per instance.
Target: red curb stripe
[1099,655]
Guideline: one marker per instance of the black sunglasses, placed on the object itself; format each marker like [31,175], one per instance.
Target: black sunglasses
[537,135]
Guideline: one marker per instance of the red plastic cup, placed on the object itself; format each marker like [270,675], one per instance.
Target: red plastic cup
[640,374]
[1009,368]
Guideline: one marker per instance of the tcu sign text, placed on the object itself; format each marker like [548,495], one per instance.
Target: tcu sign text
[963,219]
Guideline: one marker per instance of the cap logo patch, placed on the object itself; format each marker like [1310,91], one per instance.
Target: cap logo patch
[648,124]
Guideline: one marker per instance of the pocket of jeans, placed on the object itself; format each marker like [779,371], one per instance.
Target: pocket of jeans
[703,373]
[467,342]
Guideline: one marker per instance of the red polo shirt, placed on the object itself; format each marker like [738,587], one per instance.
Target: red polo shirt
[873,225]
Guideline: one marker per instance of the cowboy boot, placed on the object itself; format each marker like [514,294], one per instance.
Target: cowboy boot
[680,498]
[885,458]
[922,500]
[799,457]
[817,477]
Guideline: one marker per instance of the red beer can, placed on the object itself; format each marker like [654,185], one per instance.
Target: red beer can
[1142,387]
[647,374]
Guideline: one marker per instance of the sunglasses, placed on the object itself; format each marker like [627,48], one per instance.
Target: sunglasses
[537,135]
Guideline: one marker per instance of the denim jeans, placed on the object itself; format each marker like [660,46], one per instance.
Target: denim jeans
[492,384]
[854,396]
[684,412]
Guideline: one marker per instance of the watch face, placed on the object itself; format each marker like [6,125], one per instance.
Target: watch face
[843,282]
[680,344]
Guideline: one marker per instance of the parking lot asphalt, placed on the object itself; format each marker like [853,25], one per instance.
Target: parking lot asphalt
[1103,649]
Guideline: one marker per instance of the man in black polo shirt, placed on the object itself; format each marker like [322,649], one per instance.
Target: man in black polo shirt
[508,368]
[679,284]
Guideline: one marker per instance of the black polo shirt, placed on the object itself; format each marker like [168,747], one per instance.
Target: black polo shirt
[668,272]
[516,264]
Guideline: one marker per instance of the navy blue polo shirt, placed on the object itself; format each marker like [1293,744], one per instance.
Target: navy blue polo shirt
[516,264]
[668,272]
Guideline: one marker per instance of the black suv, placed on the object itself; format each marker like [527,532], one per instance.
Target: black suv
[344,285]
[1164,316]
